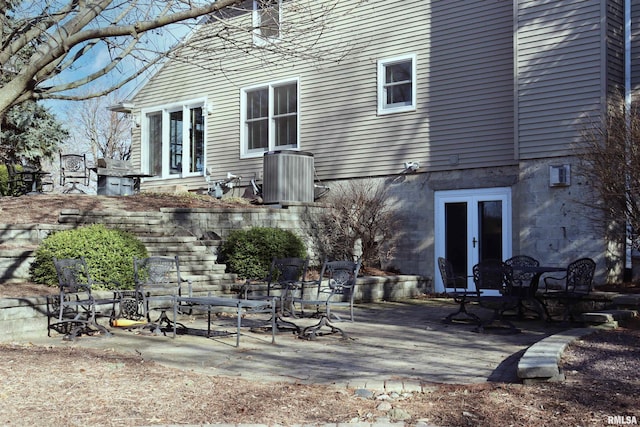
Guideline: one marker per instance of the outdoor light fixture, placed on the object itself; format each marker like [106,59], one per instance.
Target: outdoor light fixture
[411,166]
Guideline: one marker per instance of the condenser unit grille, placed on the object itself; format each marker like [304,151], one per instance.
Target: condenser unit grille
[287,177]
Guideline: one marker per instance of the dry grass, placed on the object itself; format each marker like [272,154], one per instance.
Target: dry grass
[73,386]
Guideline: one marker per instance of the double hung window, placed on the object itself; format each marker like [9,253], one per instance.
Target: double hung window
[269,118]
[266,21]
[174,141]
[397,84]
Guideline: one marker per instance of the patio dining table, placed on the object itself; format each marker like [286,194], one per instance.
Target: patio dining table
[33,177]
[529,291]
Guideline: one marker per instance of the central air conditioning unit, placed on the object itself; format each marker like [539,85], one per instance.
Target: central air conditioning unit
[287,177]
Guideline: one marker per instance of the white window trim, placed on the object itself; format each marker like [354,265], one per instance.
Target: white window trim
[258,38]
[166,109]
[244,152]
[382,63]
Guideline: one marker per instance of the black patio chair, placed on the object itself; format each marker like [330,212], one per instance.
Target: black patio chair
[159,283]
[74,170]
[16,185]
[75,306]
[284,276]
[456,288]
[335,287]
[523,285]
[577,284]
[284,273]
[494,282]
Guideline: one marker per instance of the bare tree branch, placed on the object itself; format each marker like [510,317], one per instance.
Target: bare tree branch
[50,38]
[610,160]
[45,48]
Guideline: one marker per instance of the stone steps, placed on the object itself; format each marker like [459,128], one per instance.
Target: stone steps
[161,237]
[608,318]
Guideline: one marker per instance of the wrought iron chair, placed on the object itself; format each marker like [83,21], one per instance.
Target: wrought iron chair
[335,287]
[494,282]
[577,285]
[456,288]
[158,283]
[75,306]
[74,170]
[285,275]
[522,283]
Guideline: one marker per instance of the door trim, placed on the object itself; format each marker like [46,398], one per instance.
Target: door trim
[469,195]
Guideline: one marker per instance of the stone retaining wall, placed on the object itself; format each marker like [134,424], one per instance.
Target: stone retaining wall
[22,317]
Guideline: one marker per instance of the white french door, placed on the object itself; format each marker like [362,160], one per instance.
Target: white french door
[471,226]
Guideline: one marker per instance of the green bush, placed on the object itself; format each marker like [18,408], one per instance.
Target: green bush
[4,181]
[109,254]
[248,253]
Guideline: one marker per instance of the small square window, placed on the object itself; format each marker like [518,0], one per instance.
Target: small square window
[397,84]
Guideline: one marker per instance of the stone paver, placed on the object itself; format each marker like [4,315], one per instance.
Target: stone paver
[399,346]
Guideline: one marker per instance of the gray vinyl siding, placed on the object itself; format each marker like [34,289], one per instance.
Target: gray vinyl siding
[559,73]
[470,101]
[467,115]
[635,47]
[464,82]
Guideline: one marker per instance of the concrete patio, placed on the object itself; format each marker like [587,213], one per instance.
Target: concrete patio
[393,346]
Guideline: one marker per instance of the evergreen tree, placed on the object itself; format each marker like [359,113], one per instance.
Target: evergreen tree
[29,134]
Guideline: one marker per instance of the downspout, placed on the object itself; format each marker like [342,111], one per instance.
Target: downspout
[516,112]
[627,98]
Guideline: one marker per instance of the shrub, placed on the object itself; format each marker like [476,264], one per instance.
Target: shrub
[4,179]
[360,222]
[248,253]
[109,254]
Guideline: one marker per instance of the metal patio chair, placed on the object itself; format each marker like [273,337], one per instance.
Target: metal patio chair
[334,288]
[523,285]
[74,170]
[577,284]
[15,182]
[159,283]
[75,306]
[284,276]
[456,288]
[284,273]
[494,282]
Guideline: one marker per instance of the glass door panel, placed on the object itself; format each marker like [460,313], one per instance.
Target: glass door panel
[456,237]
[490,230]
[472,225]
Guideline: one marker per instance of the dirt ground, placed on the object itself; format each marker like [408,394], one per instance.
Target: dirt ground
[69,386]
[73,386]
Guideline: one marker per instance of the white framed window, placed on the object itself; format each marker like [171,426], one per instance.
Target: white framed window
[397,84]
[267,17]
[269,118]
[174,140]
